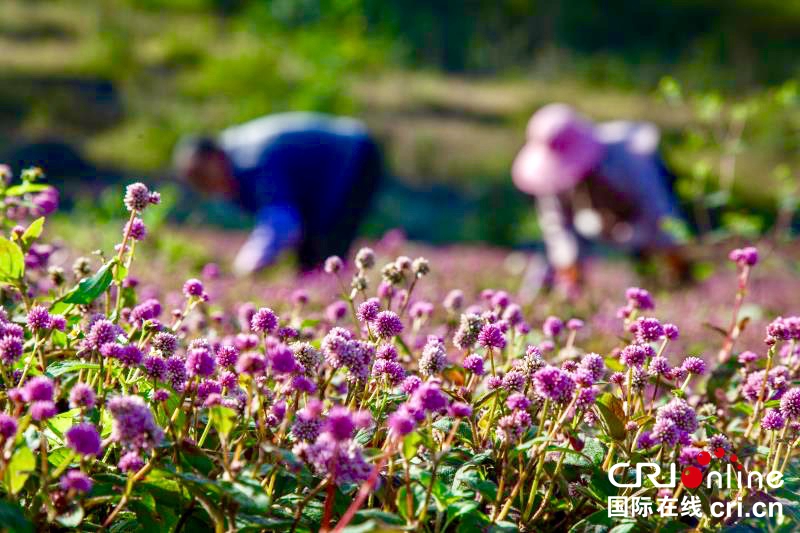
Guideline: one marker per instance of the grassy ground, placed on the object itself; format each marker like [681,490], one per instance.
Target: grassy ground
[170,72]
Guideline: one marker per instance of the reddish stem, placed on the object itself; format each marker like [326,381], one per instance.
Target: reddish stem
[363,492]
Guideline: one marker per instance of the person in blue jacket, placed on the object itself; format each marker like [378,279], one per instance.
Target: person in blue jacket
[308,178]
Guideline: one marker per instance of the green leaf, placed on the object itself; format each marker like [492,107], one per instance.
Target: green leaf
[743,408]
[625,527]
[33,231]
[19,469]
[377,515]
[87,290]
[25,188]
[598,522]
[411,444]
[60,423]
[611,413]
[12,517]
[223,419]
[12,262]
[60,368]
[72,518]
[309,323]
[601,487]
[459,509]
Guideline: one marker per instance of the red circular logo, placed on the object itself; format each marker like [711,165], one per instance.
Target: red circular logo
[691,477]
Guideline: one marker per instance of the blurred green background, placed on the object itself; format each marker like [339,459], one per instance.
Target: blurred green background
[447,86]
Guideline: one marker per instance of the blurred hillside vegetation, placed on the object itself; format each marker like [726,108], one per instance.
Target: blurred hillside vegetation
[447,85]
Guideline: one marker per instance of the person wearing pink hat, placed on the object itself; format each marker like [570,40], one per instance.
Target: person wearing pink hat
[596,181]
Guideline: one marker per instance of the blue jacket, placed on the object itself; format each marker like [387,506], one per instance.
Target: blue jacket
[294,170]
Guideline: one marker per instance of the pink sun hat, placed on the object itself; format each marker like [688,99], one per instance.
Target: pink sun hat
[562,148]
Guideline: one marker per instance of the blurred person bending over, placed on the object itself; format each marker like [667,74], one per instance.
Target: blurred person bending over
[597,182]
[308,178]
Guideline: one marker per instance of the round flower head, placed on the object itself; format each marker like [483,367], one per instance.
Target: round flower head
[583,377]
[586,397]
[430,397]
[13,330]
[554,384]
[666,431]
[517,401]
[512,427]
[388,324]
[102,332]
[671,331]
[58,322]
[747,256]
[365,259]
[494,382]
[617,378]
[42,410]
[10,349]
[193,288]
[81,395]
[333,264]
[659,366]
[133,426]
[336,311]
[130,462]
[454,301]
[594,363]
[38,318]
[575,324]
[434,357]
[308,356]
[552,326]
[500,299]
[679,412]
[401,422]
[299,297]
[460,410]
[474,363]
[647,330]
[421,310]
[281,359]
[694,365]
[165,342]
[264,321]
[227,356]
[387,352]
[491,336]
[75,480]
[411,384]
[514,380]
[199,362]
[635,355]
[137,197]
[421,267]
[790,404]
[773,420]
[513,315]
[747,357]
[639,299]
[340,423]
[160,395]
[129,355]
[368,311]
[136,229]
[8,426]
[39,388]
[84,439]
[468,331]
